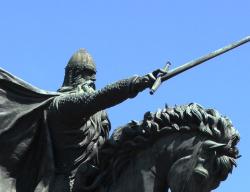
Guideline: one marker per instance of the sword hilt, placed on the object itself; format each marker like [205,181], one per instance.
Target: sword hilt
[157,82]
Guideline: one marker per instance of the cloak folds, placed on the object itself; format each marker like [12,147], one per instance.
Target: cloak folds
[26,157]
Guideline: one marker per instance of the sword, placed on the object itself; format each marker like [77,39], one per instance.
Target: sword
[158,80]
[196,62]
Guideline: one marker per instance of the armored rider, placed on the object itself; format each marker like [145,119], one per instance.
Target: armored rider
[77,120]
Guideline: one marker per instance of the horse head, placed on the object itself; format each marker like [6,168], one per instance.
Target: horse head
[203,169]
[185,149]
[212,159]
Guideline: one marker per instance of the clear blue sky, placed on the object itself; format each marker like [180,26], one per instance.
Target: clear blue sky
[135,37]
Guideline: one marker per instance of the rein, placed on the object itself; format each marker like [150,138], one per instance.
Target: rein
[195,155]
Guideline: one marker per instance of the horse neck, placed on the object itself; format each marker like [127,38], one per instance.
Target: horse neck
[148,169]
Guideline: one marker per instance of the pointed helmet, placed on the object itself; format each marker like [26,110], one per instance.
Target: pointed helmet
[82,60]
[79,62]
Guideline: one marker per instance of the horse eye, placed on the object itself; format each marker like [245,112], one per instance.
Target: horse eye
[215,169]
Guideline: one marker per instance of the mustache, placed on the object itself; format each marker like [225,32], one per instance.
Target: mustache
[88,84]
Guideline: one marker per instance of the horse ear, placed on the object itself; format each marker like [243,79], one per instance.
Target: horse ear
[212,145]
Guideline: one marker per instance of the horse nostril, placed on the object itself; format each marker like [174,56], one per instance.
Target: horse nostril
[200,171]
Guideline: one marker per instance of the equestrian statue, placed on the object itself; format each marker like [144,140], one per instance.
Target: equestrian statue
[59,141]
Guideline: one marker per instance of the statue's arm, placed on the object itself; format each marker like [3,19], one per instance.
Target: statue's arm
[83,104]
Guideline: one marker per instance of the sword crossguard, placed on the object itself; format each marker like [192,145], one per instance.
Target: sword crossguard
[157,82]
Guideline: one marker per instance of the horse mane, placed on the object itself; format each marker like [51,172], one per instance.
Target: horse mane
[189,118]
[129,139]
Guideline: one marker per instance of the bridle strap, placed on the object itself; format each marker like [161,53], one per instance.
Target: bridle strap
[195,157]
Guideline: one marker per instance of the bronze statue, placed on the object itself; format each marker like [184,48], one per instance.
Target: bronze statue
[78,124]
[51,134]
[59,141]
[185,148]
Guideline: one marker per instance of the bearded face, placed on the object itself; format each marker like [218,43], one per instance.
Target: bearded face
[80,71]
[80,80]
[84,80]
[86,87]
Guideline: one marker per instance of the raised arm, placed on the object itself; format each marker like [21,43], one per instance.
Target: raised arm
[77,104]
[81,104]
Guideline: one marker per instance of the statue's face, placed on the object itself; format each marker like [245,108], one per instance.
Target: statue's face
[88,75]
[86,87]
[85,80]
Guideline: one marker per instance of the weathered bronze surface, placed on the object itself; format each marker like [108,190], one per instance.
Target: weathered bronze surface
[59,141]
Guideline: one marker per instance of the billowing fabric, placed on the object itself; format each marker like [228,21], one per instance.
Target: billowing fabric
[30,119]
[26,158]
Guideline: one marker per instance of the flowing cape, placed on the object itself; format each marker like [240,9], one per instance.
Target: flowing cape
[26,156]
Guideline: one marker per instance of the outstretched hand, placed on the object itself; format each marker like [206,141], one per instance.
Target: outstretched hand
[155,74]
[147,81]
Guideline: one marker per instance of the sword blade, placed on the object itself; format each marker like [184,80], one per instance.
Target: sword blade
[204,58]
